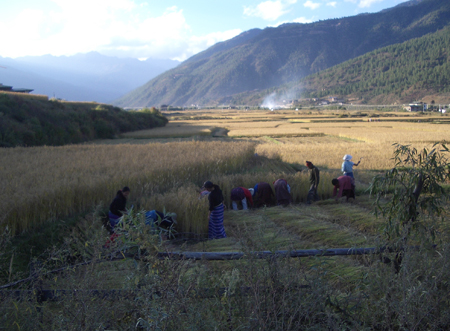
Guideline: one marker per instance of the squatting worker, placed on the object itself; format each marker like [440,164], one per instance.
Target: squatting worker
[241,195]
[314,177]
[216,211]
[345,186]
[347,165]
[118,206]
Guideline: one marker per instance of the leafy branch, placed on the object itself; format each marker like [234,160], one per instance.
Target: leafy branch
[411,195]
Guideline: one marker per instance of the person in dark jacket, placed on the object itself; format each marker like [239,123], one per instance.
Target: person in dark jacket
[263,194]
[282,192]
[216,211]
[314,177]
[118,206]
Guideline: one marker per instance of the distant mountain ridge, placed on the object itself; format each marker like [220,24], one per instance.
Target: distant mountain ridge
[260,59]
[415,70]
[81,77]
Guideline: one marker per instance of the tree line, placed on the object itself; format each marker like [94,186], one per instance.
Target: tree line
[30,122]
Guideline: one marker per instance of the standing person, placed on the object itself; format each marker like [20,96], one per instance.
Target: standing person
[282,192]
[263,194]
[314,177]
[347,165]
[216,211]
[241,194]
[345,186]
[118,206]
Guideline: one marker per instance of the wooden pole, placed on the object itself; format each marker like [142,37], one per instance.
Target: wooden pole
[221,256]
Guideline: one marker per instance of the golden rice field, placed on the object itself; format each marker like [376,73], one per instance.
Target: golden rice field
[43,183]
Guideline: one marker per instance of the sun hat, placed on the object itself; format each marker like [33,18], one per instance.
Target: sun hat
[347,157]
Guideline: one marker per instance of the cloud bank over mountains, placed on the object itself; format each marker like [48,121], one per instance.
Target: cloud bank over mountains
[149,29]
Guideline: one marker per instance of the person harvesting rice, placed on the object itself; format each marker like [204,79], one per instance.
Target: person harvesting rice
[347,165]
[118,206]
[282,192]
[216,211]
[343,186]
[263,194]
[314,178]
[241,195]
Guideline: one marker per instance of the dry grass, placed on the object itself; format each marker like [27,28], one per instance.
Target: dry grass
[27,95]
[50,182]
[173,129]
[390,132]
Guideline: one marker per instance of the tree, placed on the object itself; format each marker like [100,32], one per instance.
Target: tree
[414,192]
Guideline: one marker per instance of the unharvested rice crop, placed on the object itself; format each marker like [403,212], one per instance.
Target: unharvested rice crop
[192,212]
[173,129]
[372,141]
[391,132]
[44,183]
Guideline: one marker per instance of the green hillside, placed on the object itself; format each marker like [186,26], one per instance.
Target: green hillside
[27,121]
[401,73]
[261,59]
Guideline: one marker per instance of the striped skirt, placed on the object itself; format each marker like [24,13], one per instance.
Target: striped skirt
[215,226]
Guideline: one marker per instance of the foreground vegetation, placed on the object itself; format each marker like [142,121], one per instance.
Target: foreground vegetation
[30,121]
[404,287]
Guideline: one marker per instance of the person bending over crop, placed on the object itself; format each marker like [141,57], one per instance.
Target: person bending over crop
[216,211]
[345,186]
[118,206]
[241,195]
[282,192]
[263,194]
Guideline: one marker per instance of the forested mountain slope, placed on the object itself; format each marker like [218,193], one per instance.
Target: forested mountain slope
[263,59]
[400,73]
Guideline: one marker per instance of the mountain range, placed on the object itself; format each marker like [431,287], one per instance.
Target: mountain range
[417,69]
[81,77]
[260,59]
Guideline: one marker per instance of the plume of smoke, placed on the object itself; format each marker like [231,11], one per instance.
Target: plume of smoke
[282,99]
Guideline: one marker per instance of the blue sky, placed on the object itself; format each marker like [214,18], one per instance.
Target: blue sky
[175,29]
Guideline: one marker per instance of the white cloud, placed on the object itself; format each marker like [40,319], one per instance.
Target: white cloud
[112,27]
[332,4]
[367,3]
[297,20]
[303,20]
[270,10]
[311,5]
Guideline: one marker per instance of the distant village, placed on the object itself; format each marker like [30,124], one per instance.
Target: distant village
[283,104]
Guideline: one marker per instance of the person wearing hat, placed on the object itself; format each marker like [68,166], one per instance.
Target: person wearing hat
[216,211]
[241,195]
[347,165]
[314,177]
[118,206]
